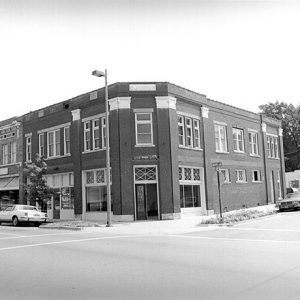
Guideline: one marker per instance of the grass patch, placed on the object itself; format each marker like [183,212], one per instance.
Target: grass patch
[238,216]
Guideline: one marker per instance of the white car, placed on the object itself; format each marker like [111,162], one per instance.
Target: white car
[23,214]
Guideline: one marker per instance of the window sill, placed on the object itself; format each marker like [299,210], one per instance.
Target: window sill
[255,155]
[57,157]
[190,148]
[257,181]
[276,158]
[222,152]
[12,164]
[144,145]
[241,182]
[92,151]
[239,152]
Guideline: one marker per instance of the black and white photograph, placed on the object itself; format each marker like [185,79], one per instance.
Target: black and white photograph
[149,149]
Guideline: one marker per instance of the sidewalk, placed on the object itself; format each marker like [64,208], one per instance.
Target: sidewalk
[184,225]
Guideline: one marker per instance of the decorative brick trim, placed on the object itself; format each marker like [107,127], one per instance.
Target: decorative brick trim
[166,102]
[76,114]
[119,103]
[204,111]
[264,127]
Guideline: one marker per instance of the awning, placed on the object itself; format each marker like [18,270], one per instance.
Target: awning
[9,183]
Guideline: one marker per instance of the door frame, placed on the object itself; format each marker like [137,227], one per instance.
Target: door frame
[146,182]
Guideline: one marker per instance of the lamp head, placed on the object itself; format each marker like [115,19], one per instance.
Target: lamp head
[98,73]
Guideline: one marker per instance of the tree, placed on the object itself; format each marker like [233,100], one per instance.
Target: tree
[289,117]
[36,188]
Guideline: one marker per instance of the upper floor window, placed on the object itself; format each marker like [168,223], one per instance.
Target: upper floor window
[5,154]
[143,129]
[67,145]
[189,132]
[103,128]
[238,140]
[226,175]
[272,146]
[96,134]
[87,136]
[256,176]
[28,148]
[53,143]
[220,138]
[13,152]
[41,144]
[253,143]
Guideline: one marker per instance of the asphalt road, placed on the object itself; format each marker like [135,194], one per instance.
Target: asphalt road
[255,260]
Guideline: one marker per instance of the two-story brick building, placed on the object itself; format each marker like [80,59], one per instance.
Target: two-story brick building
[11,156]
[164,142]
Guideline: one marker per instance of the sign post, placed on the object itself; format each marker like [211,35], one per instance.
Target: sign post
[217,166]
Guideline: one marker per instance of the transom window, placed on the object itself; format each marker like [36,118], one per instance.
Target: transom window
[238,140]
[189,174]
[253,143]
[220,138]
[189,132]
[143,129]
[241,176]
[145,174]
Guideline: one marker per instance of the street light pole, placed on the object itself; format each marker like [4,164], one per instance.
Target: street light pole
[217,166]
[108,190]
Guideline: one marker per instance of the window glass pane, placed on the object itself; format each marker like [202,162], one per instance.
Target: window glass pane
[144,128]
[196,195]
[96,198]
[144,138]
[181,196]
[143,117]
[188,195]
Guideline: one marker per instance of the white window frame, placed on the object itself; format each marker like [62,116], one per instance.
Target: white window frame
[181,125]
[143,122]
[222,148]
[253,143]
[55,143]
[239,133]
[226,175]
[13,152]
[259,176]
[67,142]
[103,132]
[244,175]
[5,154]
[41,144]
[28,148]
[87,133]
[272,146]
[196,133]
[94,129]
[189,128]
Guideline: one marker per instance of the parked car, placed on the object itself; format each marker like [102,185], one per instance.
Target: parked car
[23,214]
[291,201]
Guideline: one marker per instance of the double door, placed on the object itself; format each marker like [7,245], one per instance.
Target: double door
[146,201]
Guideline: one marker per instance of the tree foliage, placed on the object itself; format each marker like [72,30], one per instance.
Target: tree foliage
[36,188]
[288,114]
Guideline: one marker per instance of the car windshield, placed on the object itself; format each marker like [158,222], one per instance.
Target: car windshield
[27,207]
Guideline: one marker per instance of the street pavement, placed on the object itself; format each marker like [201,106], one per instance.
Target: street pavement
[257,259]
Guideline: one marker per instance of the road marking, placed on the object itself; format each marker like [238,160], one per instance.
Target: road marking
[233,239]
[262,229]
[68,241]
[39,235]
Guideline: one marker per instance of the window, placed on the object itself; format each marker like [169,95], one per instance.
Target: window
[241,176]
[13,152]
[5,154]
[96,134]
[28,148]
[256,176]
[53,143]
[238,139]
[87,136]
[143,129]
[220,138]
[272,146]
[181,130]
[253,143]
[41,144]
[103,131]
[67,145]
[189,184]
[225,174]
[189,132]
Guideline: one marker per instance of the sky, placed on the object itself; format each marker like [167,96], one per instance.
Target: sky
[243,53]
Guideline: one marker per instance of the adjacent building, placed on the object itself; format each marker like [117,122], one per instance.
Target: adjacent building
[164,142]
[11,157]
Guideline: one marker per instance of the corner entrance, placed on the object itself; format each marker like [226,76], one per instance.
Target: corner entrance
[146,193]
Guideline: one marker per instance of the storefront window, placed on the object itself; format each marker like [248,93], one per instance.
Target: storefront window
[96,198]
[189,196]
[67,198]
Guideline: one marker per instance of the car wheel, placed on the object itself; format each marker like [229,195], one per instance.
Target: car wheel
[37,224]
[15,221]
